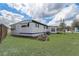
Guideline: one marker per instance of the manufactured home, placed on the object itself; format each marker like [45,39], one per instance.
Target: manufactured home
[28,28]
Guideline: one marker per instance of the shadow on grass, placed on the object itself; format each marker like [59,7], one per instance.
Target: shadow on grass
[28,37]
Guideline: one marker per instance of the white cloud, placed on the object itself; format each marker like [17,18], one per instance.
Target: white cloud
[40,10]
[40,20]
[24,8]
[45,9]
[68,23]
[10,18]
[77,17]
[64,13]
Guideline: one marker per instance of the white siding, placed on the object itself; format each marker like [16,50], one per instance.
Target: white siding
[32,30]
[38,30]
[76,29]
[52,27]
[19,29]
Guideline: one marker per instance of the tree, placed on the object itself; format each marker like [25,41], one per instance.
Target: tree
[69,28]
[62,26]
[75,24]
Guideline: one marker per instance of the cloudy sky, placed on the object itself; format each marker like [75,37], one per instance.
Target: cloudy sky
[48,13]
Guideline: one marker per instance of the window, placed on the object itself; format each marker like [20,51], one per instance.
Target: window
[44,27]
[37,25]
[23,25]
[12,29]
[26,25]
[53,29]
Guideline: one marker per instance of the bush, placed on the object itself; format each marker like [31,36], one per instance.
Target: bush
[48,33]
[59,33]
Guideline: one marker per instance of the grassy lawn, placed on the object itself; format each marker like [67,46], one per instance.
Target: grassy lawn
[59,45]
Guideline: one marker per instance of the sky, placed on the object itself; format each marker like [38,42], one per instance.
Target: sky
[47,13]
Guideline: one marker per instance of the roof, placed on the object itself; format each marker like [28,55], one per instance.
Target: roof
[39,22]
[4,22]
[21,22]
[4,25]
[53,26]
[30,22]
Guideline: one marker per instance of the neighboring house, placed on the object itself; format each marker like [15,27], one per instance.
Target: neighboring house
[28,28]
[3,28]
[3,31]
[76,29]
[52,29]
[68,29]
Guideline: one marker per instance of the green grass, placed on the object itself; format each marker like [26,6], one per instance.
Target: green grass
[58,45]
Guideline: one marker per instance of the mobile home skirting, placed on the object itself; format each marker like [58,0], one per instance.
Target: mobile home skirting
[30,34]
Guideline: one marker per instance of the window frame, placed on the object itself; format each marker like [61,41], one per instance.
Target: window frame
[24,25]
